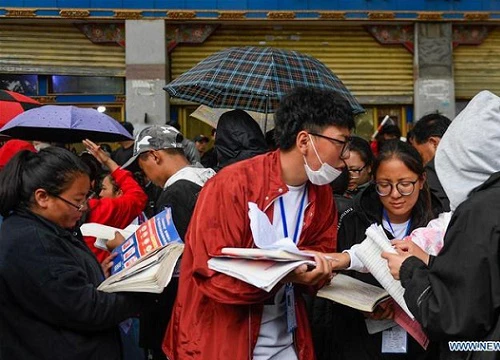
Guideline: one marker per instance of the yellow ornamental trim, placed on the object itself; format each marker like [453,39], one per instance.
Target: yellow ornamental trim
[181,15]
[381,15]
[476,16]
[430,16]
[281,15]
[128,15]
[331,15]
[232,15]
[45,99]
[20,13]
[74,13]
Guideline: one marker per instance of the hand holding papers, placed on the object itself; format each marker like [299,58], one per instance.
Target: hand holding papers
[145,262]
[265,266]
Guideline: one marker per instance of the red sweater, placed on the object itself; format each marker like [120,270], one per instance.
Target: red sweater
[117,212]
[216,316]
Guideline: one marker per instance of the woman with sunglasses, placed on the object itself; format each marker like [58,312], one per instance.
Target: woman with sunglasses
[399,200]
[50,305]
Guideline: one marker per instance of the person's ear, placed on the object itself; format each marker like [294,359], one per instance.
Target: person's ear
[302,141]
[434,141]
[42,198]
[423,179]
[156,156]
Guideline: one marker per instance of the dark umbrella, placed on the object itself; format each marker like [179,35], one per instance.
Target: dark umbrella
[65,124]
[253,78]
[12,104]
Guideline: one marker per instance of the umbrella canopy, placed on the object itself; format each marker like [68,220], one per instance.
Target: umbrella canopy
[211,117]
[253,78]
[65,124]
[12,104]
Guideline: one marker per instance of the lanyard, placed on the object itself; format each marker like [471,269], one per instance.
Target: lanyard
[283,217]
[386,217]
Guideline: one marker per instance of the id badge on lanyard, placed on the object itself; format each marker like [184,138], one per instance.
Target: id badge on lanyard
[291,316]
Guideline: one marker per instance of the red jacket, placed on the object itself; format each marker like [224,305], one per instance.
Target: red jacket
[216,316]
[117,212]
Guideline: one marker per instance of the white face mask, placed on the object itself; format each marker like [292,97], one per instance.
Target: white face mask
[325,174]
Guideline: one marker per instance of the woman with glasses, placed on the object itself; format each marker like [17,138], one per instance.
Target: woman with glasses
[359,167]
[50,305]
[399,200]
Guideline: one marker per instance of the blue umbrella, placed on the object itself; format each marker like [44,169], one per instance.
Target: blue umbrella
[65,124]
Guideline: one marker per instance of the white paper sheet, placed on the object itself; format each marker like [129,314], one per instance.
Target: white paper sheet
[264,235]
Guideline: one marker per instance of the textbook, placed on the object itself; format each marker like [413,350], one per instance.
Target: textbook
[354,293]
[370,254]
[261,273]
[265,254]
[146,260]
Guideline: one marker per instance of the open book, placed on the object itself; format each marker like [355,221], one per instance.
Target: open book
[354,293]
[264,254]
[264,274]
[369,252]
[266,265]
[146,261]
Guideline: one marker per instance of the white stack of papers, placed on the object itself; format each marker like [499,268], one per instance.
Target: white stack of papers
[264,274]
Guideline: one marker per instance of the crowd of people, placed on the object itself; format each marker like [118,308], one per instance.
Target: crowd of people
[320,186]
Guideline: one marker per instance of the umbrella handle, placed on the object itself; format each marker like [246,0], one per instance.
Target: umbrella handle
[380,127]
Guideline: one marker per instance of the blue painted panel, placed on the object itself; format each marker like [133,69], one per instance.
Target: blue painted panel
[353,4]
[105,4]
[169,4]
[263,4]
[201,4]
[36,4]
[323,4]
[71,3]
[403,5]
[12,3]
[438,5]
[469,5]
[380,5]
[232,5]
[293,4]
[134,4]
[387,5]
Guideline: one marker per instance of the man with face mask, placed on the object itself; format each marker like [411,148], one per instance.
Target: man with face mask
[219,317]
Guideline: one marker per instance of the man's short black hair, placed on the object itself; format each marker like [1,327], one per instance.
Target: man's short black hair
[430,125]
[312,110]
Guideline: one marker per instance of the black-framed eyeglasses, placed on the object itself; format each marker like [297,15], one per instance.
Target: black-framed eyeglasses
[79,207]
[405,188]
[356,173]
[345,144]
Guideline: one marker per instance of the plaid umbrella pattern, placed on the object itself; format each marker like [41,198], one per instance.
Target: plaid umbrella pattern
[253,78]
[12,104]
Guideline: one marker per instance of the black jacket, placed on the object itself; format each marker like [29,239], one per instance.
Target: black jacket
[339,332]
[238,137]
[440,202]
[49,304]
[181,196]
[458,296]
